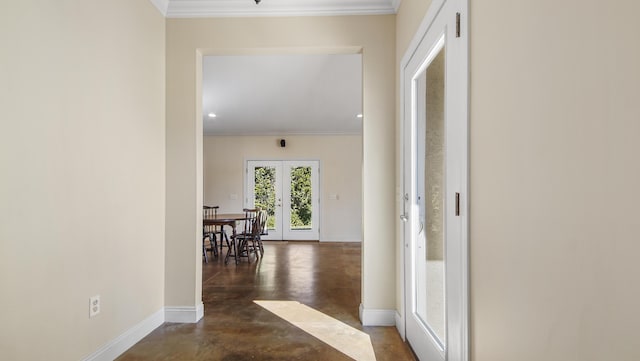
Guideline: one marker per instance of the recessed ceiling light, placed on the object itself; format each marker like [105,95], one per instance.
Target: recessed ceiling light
[212,115]
[359,115]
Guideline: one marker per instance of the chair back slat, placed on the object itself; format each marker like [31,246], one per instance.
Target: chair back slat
[207,213]
[249,240]
[209,231]
[250,214]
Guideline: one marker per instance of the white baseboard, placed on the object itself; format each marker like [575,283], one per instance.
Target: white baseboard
[130,337]
[184,314]
[377,317]
[400,325]
[340,240]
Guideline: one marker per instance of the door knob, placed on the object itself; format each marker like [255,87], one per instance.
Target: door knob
[404,218]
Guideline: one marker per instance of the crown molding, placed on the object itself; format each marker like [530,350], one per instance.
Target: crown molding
[161,5]
[396,5]
[213,133]
[248,8]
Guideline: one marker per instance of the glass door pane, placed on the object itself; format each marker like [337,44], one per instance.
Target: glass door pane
[301,202]
[430,281]
[301,208]
[434,195]
[265,193]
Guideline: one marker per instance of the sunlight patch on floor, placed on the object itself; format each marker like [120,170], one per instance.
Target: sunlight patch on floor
[344,338]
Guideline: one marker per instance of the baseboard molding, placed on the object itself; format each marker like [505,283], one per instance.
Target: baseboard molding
[340,240]
[377,317]
[184,314]
[400,325]
[130,337]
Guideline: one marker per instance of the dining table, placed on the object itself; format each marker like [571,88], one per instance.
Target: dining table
[231,220]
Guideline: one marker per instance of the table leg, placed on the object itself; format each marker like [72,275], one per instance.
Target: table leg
[226,258]
[235,245]
[223,234]
[235,248]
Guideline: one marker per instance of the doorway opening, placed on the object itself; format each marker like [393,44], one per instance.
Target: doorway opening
[313,132]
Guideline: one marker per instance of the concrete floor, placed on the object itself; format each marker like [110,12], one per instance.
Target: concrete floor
[323,276]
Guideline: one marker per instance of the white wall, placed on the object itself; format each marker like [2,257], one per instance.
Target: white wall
[340,159]
[555,120]
[82,141]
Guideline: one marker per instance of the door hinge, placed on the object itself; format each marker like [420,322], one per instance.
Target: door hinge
[457,25]
[457,204]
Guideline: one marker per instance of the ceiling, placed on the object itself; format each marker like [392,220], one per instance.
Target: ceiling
[224,8]
[271,94]
[282,94]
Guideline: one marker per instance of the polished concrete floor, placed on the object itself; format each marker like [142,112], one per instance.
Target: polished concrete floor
[323,276]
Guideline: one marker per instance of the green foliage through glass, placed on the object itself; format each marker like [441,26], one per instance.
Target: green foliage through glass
[265,193]
[301,208]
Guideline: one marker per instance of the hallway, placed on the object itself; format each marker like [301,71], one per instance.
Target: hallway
[323,276]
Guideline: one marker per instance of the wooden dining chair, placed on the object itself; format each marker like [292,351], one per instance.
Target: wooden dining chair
[211,233]
[208,232]
[247,241]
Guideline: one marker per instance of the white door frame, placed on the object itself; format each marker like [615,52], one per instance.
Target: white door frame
[249,201]
[457,272]
[312,234]
[284,202]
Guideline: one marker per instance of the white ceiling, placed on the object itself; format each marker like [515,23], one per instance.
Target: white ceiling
[296,94]
[282,94]
[219,8]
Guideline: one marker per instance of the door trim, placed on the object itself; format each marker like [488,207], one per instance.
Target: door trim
[458,336]
[277,164]
[317,214]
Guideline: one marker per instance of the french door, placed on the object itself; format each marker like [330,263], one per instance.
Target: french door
[434,115]
[288,191]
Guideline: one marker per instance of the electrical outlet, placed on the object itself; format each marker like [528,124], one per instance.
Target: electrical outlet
[94,306]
